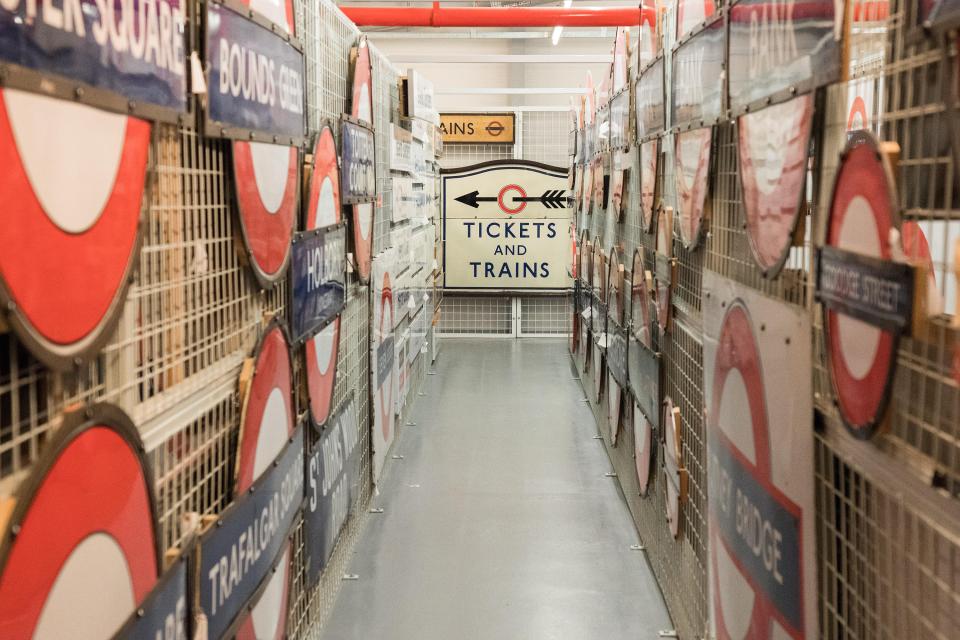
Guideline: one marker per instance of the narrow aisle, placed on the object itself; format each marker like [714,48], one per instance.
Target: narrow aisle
[499,522]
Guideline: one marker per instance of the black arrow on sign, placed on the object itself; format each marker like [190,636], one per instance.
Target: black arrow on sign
[551,199]
[473,199]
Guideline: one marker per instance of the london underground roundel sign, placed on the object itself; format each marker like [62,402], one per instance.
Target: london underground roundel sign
[674,473]
[642,321]
[649,157]
[361,108]
[760,471]
[692,168]
[861,357]
[323,210]
[774,145]
[72,180]
[267,420]
[267,179]
[82,534]
[267,618]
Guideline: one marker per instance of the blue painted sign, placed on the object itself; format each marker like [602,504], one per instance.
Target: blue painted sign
[358,172]
[333,487]
[130,56]
[238,552]
[164,614]
[877,291]
[255,80]
[318,274]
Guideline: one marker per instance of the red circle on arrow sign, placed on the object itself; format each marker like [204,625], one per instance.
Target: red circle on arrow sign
[502,201]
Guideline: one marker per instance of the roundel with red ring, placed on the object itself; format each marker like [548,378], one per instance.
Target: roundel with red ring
[642,449]
[663,283]
[640,299]
[323,210]
[385,394]
[614,406]
[267,619]
[75,177]
[615,293]
[861,357]
[267,178]
[649,155]
[86,535]
[858,118]
[621,59]
[361,108]
[692,167]
[774,145]
[772,587]
[267,422]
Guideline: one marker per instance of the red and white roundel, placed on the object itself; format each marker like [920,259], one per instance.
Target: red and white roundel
[640,299]
[361,108]
[917,250]
[774,144]
[267,179]
[84,553]
[74,176]
[738,425]
[642,448]
[599,195]
[861,357]
[649,156]
[673,471]
[267,619]
[691,168]
[385,394]
[323,210]
[621,59]
[267,422]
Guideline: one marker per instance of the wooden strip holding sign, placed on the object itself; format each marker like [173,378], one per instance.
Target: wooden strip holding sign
[478,128]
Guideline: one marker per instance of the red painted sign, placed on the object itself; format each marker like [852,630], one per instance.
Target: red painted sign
[82,536]
[323,210]
[861,357]
[75,177]
[691,173]
[361,108]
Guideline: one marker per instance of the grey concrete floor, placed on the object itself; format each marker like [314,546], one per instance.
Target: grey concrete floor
[499,522]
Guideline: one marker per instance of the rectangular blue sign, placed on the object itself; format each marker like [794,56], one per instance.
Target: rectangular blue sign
[238,552]
[358,173]
[318,271]
[333,487]
[255,80]
[761,533]
[164,614]
[128,57]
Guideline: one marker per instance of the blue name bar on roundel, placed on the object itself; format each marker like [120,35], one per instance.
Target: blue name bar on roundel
[358,176]
[165,613]
[318,279]
[124,56]
[255,82]
[238,552]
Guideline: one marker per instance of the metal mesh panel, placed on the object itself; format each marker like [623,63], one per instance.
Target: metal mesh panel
[545,136]
[544,315]
[483,315]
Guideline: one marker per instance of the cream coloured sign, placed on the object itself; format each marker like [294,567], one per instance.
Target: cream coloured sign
[506,225]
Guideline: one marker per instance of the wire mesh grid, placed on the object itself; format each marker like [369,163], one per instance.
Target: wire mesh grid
[480,315]
[544,315]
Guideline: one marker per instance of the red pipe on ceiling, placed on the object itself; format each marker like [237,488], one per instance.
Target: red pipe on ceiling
[437,16]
